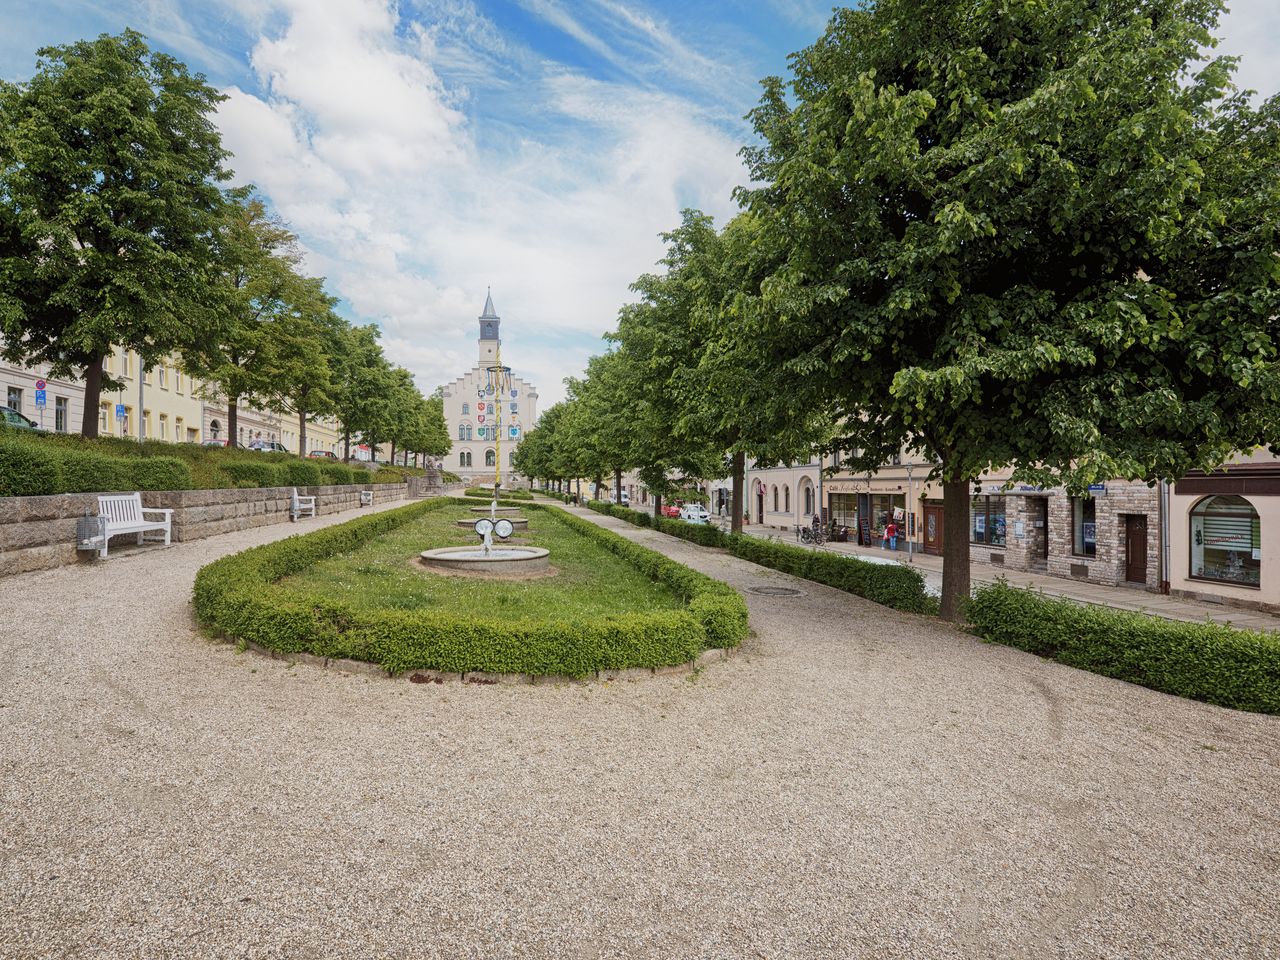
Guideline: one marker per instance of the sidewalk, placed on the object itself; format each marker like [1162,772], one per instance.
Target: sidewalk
[1121,598]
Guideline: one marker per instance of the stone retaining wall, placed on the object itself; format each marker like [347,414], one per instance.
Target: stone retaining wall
[37,533]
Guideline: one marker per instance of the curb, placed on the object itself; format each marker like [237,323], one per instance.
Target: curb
[481,678]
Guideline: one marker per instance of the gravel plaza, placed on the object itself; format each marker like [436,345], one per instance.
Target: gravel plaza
[852,783]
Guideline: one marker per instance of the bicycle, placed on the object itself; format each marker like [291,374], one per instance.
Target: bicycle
[816,536]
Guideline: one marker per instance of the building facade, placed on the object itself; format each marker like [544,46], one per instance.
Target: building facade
[487,410]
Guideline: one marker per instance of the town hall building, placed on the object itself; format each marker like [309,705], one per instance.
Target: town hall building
[484,401]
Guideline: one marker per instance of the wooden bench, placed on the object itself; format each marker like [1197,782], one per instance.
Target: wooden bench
[125,513]
[300,505]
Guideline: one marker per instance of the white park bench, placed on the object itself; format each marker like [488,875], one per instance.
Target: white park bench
[301,505]
[125,513]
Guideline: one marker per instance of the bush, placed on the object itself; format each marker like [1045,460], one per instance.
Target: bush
[261,473]
[891,585]
[1202,661]
[30,467]
[507,494]
[301,473]
[336,474]
[234,595]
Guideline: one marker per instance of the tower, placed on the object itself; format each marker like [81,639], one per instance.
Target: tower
[489,339]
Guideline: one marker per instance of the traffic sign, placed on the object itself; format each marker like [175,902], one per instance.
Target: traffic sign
[119,411]
[40,384]
[40,395]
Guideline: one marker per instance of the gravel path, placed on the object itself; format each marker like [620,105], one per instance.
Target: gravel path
[855,783]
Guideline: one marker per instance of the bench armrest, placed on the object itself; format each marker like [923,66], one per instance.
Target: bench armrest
[167,513]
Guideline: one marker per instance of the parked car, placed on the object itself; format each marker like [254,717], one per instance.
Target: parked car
[12,418]
[695,513]
[671,510]
[625,501]
[213,442]
[323,455]
[274,446]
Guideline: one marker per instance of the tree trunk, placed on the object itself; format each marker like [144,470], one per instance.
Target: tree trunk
[739,493]
[617,487]
[657,505]
[346,444]
[392,459]
[955,548]
[232,418]
[92,396]
[302,433]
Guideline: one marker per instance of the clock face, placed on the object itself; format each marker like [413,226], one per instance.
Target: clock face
[503,528]
[484,526]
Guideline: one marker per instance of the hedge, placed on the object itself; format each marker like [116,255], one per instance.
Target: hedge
[234,595]
[892,585]
[1201,661]
[30,468]
[507,494]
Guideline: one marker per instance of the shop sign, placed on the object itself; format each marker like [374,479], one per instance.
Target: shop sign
[1028,488]
[1097,488]
[1019,529]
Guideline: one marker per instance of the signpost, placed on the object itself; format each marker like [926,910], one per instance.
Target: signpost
[40,400]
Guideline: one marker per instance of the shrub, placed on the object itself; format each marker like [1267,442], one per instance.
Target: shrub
[507,494]
[31,467]
[301,473]
[25,470]
[336,474]
[159,473]
[234,595]
[892,585]
[259,472]
[1202,661]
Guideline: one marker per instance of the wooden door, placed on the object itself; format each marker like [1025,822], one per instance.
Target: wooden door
[933,528]
[1135,548]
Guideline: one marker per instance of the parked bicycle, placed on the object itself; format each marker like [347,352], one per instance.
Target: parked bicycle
[815,535]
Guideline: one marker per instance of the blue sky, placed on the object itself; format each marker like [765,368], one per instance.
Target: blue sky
[426,149]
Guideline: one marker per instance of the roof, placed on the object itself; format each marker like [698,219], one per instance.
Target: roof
[489,312]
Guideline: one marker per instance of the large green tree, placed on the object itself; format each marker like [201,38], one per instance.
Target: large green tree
[303,381]
[260,302]
[1027,233]
[110,167]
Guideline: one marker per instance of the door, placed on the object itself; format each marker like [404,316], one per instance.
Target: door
[933,528]
[760,505]
[1135,548]
[1042,531]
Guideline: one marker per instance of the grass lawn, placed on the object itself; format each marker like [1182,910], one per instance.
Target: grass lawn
[385,574]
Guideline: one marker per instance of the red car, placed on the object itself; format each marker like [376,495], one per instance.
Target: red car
[323,454]
[670,511]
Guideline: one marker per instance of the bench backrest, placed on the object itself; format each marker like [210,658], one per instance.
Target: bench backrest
[121,508]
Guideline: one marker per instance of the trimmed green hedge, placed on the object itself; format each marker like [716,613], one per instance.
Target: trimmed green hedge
[507,494]
[234,595]
[893,585]
[31,468]
[1202,661]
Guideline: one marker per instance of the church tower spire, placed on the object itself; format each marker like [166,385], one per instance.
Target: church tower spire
[489,338]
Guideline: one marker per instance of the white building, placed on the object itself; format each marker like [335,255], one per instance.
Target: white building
[484,401]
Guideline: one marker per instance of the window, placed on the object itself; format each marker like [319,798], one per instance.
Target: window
[162,375]
[466,409]
[177,381]
[60,414]
[775,498]
[986,521]
[124,363]
[14,399]
[511,458]
[1226,541]
[146,423]
[808,500]
[490,458]
[102,418]
[177,430]
[164,427]
[464,458]
[1084,526]
[215,428]
[786,499]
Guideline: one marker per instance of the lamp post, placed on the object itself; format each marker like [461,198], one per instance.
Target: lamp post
[911,558]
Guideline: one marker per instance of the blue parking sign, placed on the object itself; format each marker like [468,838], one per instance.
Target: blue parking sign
[40,395]
[119,411]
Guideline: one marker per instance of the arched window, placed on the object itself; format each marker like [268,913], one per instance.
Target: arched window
[786,498]
[808,499]
[462,431]
[490,458]
[466,409]
[468,431]
[775,498]
[464,458]
[1226,541]
[215,428]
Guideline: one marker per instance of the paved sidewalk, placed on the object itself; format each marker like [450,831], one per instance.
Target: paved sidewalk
[1122,598]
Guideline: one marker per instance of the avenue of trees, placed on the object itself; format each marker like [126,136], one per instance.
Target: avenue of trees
[1034,235]
[117,230]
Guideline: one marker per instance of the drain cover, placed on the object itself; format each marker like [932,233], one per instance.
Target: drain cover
[775,591]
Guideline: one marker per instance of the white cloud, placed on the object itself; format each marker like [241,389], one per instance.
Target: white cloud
[411,210]
[1251,31]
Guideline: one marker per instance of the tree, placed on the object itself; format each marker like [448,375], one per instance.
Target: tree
[303,346]
[109,196]
[363,383]
[1038,235]
[260,300]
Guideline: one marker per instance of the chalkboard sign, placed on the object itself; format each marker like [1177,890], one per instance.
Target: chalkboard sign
[865,524]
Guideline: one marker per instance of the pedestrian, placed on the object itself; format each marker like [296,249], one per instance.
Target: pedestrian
[884,535]
[891,531]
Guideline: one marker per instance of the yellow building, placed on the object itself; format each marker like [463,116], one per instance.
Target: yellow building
[171,404]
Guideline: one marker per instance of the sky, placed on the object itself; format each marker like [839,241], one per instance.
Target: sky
[426,150]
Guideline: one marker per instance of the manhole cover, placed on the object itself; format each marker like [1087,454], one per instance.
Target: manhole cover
[775,591]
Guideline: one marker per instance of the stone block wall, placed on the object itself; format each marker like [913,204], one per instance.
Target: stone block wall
[38,533]
[1121,498]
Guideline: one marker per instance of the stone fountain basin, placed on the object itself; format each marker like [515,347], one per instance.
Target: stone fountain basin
[502,560]
[517,523]
[502,511]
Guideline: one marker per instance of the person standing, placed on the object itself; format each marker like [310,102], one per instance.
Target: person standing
[891,534]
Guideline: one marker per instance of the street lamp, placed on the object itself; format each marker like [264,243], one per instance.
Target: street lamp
[910,520]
